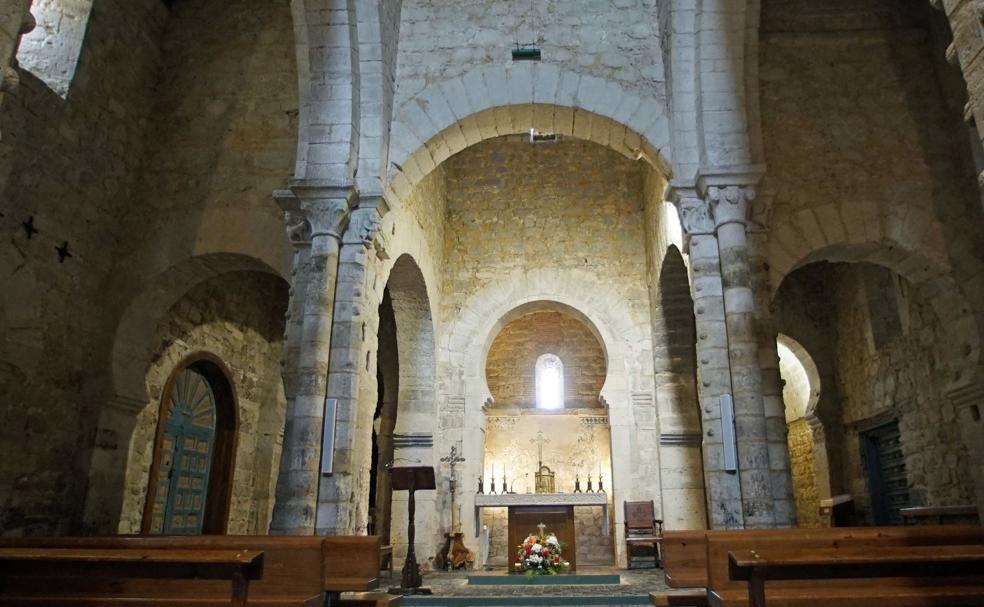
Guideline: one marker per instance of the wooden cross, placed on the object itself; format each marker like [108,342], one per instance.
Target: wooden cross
[540,440]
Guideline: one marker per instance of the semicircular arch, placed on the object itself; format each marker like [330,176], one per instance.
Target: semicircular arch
[492,101]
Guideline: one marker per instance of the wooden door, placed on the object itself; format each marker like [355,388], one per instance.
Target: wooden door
[887,478]
[185,457]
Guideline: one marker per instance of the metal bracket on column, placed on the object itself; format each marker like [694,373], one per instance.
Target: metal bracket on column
[328,436]
[728,433]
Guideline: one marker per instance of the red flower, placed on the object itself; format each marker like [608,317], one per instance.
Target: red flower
[529,550]
[546,552]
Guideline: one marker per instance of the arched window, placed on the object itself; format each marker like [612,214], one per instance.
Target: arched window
[549,382]
[191,474]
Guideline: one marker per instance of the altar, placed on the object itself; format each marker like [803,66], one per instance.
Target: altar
[556,510]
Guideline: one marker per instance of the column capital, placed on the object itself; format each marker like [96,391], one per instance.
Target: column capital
[364,226]
[696,216]
[315,209]
[729,191]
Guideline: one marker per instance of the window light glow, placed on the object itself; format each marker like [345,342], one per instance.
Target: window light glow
[549,382]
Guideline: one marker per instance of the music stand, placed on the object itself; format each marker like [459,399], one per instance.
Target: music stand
[411,478]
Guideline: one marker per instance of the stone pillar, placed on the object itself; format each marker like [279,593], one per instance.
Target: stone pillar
[969,402]
[343,497]
[722,489]
[321,212]
[783,497]
[107,459]
[729,205]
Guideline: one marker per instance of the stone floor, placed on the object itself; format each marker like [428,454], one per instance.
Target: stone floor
[453,589]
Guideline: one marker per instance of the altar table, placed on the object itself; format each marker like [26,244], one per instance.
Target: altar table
[556,510]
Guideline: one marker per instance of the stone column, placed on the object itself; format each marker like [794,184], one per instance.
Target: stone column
[107,460]
[322,209]
[722,489]
[783,498]
[729,204]
[343,497]
[968,402]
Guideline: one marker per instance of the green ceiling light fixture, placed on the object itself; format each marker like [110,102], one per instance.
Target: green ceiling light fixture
[529,51]
[526,53]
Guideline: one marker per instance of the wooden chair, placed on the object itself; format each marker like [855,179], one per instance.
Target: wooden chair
[642,528]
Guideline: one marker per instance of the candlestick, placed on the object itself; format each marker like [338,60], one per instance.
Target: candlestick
[481,488]
[577,484]
[601,485]
[492,484]
[590,488]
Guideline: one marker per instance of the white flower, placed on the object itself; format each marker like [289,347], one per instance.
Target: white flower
[553,540]
[537,548]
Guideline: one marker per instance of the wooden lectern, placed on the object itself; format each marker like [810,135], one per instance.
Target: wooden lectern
[411,478]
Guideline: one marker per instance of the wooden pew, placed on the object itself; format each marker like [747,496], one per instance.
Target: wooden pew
[684,567]
[685,555]
[873,561]
[939,515]
[298,570]
[722,591]
[44,567]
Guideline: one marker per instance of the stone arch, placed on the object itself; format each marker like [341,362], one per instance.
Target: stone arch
[411,424]
[494,306]
[131,347]
[810,373]
[675,362]
[492,101]
[627,347]
[911,246]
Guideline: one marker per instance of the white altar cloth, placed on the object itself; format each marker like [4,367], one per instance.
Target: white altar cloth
[542,499]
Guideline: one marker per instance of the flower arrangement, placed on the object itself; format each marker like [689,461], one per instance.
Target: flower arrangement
[541,555]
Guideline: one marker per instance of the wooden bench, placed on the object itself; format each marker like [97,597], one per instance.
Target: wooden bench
[762,565]
[939,515]
[308,570]
[685,553]
[722,591]
[684,559]
[23,568]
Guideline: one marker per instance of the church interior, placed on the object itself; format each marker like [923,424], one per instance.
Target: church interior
[312,299]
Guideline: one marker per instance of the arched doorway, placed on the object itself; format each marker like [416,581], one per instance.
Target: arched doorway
[404,418]
[191,473]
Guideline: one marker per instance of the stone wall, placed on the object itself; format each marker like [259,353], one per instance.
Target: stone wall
[511,363]
[51,51]
[572,206]
[72,165]
[801,464]
[579,444]
[618,40]
[898,381]
[237,317]
[853,115]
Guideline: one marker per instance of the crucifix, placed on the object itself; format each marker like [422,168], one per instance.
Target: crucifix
[454,554]
[540,440]
[452,460]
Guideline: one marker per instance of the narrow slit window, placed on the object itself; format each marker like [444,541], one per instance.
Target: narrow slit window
[549,382]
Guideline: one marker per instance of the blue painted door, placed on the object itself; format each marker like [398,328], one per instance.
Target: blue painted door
[185,458]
